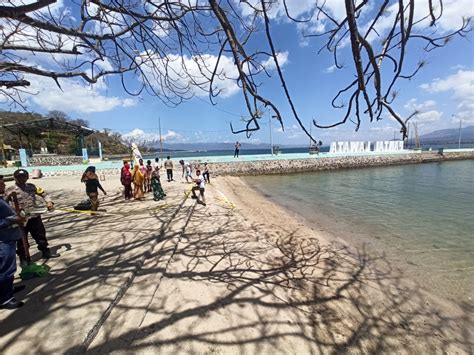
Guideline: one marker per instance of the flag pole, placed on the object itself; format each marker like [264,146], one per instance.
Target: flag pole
[161,140]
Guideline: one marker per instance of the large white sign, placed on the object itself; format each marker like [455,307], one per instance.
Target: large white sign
[357,147]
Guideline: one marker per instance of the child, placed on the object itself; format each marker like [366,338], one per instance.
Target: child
[92,184]
[200,185]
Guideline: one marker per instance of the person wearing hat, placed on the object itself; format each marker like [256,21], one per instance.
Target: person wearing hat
[27,196]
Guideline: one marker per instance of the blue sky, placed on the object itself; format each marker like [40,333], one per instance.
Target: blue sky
[442,92]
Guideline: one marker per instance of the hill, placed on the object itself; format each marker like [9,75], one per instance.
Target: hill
[450,135]
[58,141]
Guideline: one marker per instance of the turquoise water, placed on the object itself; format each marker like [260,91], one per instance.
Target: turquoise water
[217,157]
[420,216]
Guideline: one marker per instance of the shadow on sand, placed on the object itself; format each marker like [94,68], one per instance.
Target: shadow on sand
[275,290]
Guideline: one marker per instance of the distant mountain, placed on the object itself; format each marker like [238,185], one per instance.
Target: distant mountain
[450,135]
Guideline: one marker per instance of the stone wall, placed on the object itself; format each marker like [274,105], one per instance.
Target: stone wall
[54,160]
[333,163]
[265,167]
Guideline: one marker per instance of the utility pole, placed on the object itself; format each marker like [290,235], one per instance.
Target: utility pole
[4,157]
[459,142]
[271,138]
[161,141]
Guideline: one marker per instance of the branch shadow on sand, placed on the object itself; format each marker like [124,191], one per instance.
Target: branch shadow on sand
[280,292]
[273,291]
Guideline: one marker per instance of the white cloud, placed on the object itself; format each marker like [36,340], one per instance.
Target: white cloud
[461,85]
[138,135]
[382,129]
[75,97]
[428,117]
[330,69]
[453,13]
[190,76]
[413,105]
[427,113]
[269,64]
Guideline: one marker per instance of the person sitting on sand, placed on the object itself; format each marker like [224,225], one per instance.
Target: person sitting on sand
[91,180]
[200,185]
[138,180]
[158,193]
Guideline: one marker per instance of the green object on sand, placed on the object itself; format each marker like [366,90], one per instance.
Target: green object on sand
[33,270]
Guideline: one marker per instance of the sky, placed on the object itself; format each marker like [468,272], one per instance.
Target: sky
[442,92]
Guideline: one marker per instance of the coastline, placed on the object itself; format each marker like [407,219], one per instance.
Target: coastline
[259,207]
[265,165]
[240,275]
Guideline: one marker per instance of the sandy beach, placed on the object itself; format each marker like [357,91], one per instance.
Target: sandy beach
[240,275]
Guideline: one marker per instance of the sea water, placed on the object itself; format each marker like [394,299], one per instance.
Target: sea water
[420,216]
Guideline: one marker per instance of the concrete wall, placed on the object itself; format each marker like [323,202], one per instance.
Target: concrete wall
[54,160]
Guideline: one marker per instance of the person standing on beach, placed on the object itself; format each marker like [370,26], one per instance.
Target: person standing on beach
[148,172]
[10,234]
[142,168]
[200,185]
[91,180]
[158,193]
[27,197]
[138,180]
[183,168]
[237,149]
[169,168]
[126,180]
[205,174]
[189,172]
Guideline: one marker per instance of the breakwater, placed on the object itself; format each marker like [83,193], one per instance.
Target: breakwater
[275,166]
[267,167]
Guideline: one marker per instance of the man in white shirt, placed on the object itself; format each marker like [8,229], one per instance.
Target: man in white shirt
[155,164]
[200,185]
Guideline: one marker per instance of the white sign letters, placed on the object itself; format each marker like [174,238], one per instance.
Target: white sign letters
[357,147]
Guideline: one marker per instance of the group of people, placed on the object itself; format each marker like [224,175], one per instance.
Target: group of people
[19,216]
[145,178]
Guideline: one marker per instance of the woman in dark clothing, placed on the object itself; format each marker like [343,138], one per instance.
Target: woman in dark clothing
[92,184]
